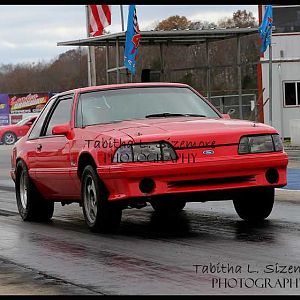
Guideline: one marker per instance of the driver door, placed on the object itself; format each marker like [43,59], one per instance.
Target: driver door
[53,153]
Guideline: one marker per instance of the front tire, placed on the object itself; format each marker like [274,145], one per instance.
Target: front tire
[255,205]
[31,205]
[99,214]
[9,138]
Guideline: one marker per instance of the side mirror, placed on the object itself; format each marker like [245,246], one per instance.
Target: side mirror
[226,116]
[62,129]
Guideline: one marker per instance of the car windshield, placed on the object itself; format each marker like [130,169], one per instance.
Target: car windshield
[140,103]
[23,121]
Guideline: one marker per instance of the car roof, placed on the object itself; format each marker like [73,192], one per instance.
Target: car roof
[122,86]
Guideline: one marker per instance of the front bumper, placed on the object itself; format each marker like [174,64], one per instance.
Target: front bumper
[208,175]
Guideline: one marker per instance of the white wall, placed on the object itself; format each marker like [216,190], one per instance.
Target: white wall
[281,71]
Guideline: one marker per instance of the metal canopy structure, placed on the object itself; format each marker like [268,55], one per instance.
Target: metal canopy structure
[179,37]
[169,38]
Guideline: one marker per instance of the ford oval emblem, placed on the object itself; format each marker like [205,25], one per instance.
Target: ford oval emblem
[208,152]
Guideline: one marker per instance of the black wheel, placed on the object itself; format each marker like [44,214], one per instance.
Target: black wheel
[255,205]
[168,206]
[99,214]
[9,138]
[31,205]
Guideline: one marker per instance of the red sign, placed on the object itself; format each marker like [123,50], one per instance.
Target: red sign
[27,103]
[15,119]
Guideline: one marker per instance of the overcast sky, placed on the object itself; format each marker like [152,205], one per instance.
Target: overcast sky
[29,33]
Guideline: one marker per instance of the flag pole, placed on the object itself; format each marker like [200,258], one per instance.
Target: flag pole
[122,17]
[91,54]
[89,48]
[270,78]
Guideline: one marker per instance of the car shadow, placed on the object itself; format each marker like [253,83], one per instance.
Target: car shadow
[157,225]
[186,225]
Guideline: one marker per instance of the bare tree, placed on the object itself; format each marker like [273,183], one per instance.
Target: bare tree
[198,25]
[240,18]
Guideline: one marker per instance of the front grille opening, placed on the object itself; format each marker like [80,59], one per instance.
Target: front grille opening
[213,181]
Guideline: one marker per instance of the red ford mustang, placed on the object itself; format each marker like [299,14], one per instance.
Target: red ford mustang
[10,133]
[118,146]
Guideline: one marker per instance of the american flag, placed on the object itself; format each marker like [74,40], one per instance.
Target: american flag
[99,18]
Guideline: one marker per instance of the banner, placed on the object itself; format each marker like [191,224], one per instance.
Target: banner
[4,110]
[27,103]
[4,104]
[265,29]
[132,40]
[4,120]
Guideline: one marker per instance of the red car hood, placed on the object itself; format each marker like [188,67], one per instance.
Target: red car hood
[188,129]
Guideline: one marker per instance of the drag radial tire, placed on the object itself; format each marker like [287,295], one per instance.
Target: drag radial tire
[99,214]
[168,206]
[255,205]
[31,205]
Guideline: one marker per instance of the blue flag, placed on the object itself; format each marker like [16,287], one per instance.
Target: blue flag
[265,29]
[132,40]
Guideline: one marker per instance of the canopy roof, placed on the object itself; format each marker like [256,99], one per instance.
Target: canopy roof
[180,37]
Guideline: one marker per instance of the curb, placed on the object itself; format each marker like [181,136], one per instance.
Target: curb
[287,190]
[287,195]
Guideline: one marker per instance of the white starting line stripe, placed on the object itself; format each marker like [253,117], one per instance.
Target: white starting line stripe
[287,190]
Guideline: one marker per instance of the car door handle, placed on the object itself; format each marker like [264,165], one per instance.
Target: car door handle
[39,147]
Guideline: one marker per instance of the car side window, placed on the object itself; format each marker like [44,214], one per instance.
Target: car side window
[36,129]
[61,114]
[30,122]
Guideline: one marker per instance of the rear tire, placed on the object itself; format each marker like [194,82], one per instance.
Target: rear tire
[168,206]
[31,205]
[99,214]
[255,205]
[9,138]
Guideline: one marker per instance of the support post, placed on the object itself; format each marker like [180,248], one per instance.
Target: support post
[107,62]
[93,66]
[117,60]
[162,62]
[239,74]
[208,83]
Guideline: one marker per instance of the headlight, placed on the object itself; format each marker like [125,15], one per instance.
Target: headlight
[260,144]
[277,142]
[145,152]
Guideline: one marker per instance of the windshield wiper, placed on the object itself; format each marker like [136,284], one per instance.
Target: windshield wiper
[167,114]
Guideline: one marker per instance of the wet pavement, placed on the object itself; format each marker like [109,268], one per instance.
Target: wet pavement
[20,280]
[150,254]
